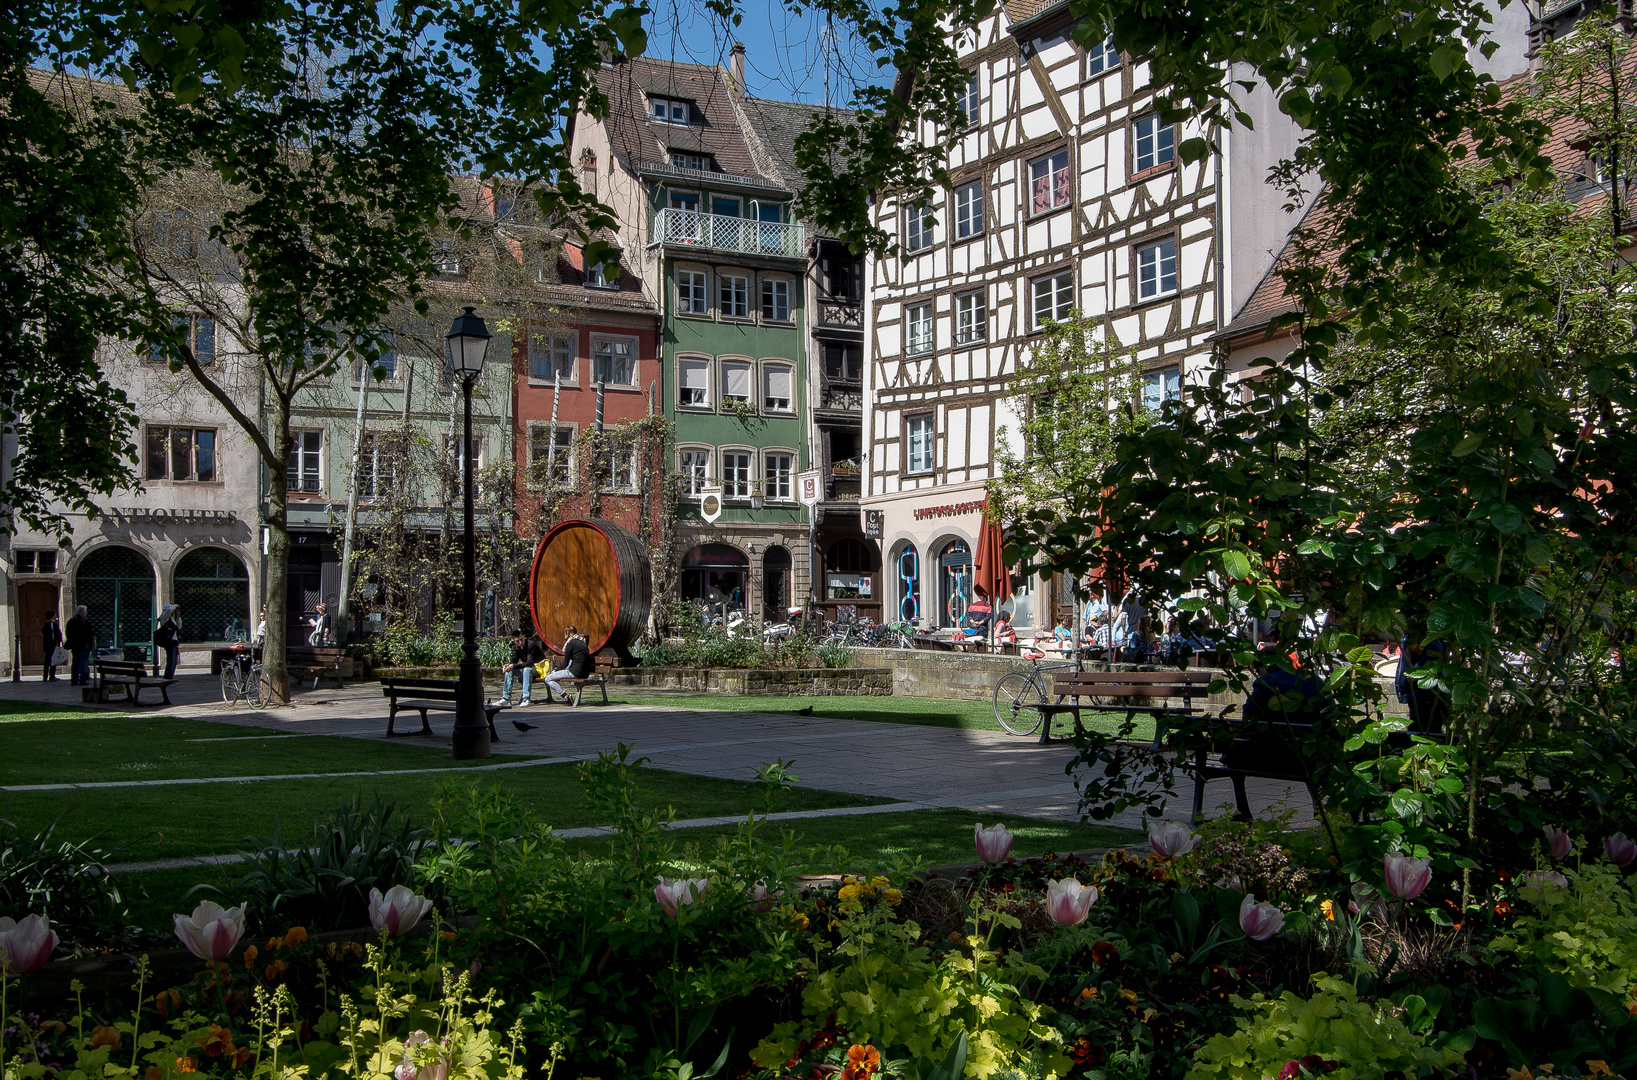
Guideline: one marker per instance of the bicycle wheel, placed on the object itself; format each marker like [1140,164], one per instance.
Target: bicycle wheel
[1014,694]
[231,690]
[255,688]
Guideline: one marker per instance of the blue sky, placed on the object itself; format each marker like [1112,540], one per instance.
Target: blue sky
[786,57]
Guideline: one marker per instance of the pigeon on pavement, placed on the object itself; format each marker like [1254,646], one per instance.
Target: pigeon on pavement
[520,726]
[805,712]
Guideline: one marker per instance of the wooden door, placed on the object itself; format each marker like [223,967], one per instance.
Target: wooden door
[36,601]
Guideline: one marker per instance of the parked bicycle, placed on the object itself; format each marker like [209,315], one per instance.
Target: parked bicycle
[1017,693]
[243,680]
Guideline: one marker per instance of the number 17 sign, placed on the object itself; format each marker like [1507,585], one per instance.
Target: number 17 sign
[809,487]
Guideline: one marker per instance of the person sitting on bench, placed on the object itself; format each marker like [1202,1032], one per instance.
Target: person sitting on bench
[576,662]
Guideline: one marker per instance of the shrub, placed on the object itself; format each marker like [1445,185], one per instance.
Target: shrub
[1587,931]
[795,651]
[67,883]
[833,654]
[716,649]
[493,652]
[1334,1033]
[667,652]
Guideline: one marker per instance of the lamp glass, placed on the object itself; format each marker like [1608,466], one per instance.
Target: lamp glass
[468,343]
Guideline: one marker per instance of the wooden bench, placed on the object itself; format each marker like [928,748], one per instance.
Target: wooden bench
[316,662]
[1124,689]
[597,678]
[428,695]
[132,677]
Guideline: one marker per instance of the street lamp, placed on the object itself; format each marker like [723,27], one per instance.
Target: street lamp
[468,344]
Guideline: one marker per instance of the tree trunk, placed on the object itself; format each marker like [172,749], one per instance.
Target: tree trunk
[278,561]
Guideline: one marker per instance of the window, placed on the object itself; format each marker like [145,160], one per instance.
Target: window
[613,361]
[198,332]
[776,481]
[969,210]
[919,328]
[735,474]
[551,355]
[733,296]
[602,276]
[455,447]
[375,465]
[1103,57]
[776,300]
[177,453]
[386,361]
[696,471]
[671,110]
[685,200]
[36,562]
[690,292]
[971,320]
[444,259]
[617,465]
[1049,183]
[1156,269]
[693,377]
[843,363]
[1053,298]
[736,383]
[1159,387]
[303,469]
[1156,143]
[551,455]
[841,278]
[918,437]
[703,162]
[969,102]
[918,227]
[776,388]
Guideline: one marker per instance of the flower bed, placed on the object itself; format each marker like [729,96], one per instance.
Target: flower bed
[867,682]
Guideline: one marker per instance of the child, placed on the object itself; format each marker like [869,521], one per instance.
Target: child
[1004,634]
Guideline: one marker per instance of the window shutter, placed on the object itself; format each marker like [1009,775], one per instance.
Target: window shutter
[737,378]
[778,383]
[695,375]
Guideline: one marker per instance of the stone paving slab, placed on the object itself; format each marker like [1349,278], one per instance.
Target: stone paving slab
[945,767]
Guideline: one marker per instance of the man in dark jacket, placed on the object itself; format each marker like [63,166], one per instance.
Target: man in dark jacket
[577,662]
[51,635]
[526,652]
[80,638]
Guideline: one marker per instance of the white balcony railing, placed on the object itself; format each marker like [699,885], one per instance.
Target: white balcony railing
[672,226]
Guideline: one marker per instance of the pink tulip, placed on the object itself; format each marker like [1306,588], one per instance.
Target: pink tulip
[398,912]
[1171,839]
[1259,921]
[210,932]
[1540,879]
[1364,897]
[762,899]
[407,1070]
[1557,843]
[992,843]
[1620,850]
[673,895]
[27,945]
[1068,902]
[1407,878]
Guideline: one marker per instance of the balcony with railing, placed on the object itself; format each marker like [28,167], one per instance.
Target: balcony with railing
[720,232]
[844,314]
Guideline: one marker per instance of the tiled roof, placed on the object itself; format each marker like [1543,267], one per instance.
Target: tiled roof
[1269,299]
[644,143]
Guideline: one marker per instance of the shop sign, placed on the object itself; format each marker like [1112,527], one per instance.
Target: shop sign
[874,526]
[948,509]
[810,487]
[159,515]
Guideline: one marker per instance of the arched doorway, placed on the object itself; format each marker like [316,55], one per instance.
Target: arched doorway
[716,573]
[954,582]
[116,586]
[907,565]
[776,584]
[214,592]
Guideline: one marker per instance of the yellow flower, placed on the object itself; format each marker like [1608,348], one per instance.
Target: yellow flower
[105,1036]
[1598,1067]
[1520,1074]
[250,954]
[1088,993]
[1329,909]
[848,892]
[879,882]
[892,896]
[186,1065]
[296,935]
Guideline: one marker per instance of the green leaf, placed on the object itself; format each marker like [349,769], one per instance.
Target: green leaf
[1235,564]
[1467,445]
[1443,61]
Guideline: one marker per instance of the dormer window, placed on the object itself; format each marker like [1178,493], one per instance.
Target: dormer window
[596,277]
[702,162]
[672,110]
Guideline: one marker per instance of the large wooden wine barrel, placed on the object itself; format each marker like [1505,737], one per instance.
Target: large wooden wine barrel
[594,575]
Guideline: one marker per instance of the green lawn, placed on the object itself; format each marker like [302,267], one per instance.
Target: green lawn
[928,712]
[37,710]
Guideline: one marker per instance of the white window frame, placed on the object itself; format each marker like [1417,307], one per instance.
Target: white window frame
[750,380]
[775,290]
[667,110]
[682,388]
[555,346]
[602,341]
[1153,260]
[1166,384]
[1153,143]
[733,295]
[697,162]
[596,276]
[920,444]
[1061,297]
[789,371]
[620,453]
[567,433]
[779,485]
[445,259]
[920,329]
[696,301]
[972,102]
[371,481]
[917,231]
[738,484]
[969,210]
[1102,58]
[695,463]
[299,448]
[971,317]
[1057,199]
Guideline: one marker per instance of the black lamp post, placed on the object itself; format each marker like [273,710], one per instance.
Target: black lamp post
[468,345]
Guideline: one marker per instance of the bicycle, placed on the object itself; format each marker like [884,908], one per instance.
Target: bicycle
[1016,693]
[243,680]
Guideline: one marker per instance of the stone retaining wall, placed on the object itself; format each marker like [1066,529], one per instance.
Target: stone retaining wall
[754,682]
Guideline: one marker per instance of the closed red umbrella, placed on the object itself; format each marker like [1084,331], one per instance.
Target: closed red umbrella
[990,577]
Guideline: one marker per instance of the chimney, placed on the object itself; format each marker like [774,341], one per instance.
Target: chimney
[736,67]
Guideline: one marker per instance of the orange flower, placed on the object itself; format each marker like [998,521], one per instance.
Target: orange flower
[218,1042]
[166,1001]
[105,1036]
[1329,909]
[1598,1067]
[153,1073]
[250,955]
[1520,1074]
[296,935]
[862,1061]
[273,943]
[274,970]
[186,1065]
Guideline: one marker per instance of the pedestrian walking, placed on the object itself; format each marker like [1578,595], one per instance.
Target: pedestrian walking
[320,622]
[51,635]
[527,651]
[81,638]
[577,662]
[168,636]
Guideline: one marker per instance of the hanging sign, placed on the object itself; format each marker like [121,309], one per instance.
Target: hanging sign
[710,504]
[810,487]
[873,524]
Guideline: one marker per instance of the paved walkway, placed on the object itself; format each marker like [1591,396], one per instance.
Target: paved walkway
[925,766]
